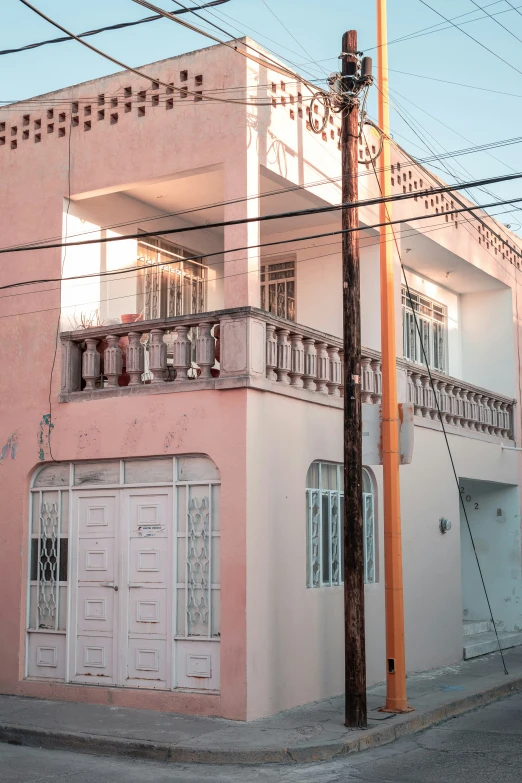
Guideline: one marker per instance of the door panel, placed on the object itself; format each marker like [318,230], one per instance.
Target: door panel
[96,609]
[96,597]
[148,610]
[147,663]
[95,660]
[149,634]
[96,559]
[97,514]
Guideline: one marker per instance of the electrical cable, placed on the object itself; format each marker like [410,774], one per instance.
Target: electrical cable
[222,17]
[290,33]
[199,256]
[492,17]
[515,8]
[297,213]
[217,27]
[405,233]
[457,84]
[118,26]
[57,335]
[446,167]
[140,73]
[439,414]
[417,162]
[503,240]
[465,32]
[262,58]
[125,275]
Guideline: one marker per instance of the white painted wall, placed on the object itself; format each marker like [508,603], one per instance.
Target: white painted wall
[497,542]
[294,633]
[319,287]
[370,295]
[488,343]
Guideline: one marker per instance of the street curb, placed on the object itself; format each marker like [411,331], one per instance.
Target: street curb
[297,754]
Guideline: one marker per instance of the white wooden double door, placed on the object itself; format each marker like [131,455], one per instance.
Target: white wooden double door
[123,588]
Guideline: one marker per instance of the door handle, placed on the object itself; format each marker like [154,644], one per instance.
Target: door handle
[109,584]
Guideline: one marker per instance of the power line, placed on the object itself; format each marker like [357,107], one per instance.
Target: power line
[513,7]
[208,21]
[283,215]
[290,33]
[431,176]
[280,191]
[143,75]
[465,32]
[118,26]
[503,240]
[199,256]
[404,233]
[262,59]
[503,26]
[451,155]
[457,84]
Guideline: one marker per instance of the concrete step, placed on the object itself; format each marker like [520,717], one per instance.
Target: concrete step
[473,627]
[483,643]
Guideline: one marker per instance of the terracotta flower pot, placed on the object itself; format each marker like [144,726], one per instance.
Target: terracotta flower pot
[129,318]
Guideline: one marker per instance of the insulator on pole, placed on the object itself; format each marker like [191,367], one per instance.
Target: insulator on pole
[366,67]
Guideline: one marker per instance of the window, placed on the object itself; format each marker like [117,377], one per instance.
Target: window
[432,322]
[169,284]
[278,288]
[48,560]
[325,527]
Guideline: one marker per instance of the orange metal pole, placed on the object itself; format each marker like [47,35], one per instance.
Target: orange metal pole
[395,652]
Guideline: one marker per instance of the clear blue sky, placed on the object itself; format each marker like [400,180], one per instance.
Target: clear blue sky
[446,54]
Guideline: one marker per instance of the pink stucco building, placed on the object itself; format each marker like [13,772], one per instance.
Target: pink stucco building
[172,411]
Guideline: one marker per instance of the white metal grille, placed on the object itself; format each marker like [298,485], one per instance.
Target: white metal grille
[48,566]
[432,322]
[325,527]
[169,284]
[198,557]
[278,288]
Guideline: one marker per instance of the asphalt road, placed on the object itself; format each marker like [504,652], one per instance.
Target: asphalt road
[480,747]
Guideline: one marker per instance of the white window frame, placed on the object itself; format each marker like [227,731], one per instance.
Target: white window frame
[269,276]
[330,532]
[432,319]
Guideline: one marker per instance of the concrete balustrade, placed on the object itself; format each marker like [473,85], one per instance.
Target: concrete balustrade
[259,350]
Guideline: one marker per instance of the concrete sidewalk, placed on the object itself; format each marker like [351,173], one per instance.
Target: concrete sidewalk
[302,735]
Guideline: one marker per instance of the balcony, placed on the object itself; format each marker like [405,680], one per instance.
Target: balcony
[247,347]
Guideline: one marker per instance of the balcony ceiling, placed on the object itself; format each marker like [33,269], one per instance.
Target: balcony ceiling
[197,196]
[432,260]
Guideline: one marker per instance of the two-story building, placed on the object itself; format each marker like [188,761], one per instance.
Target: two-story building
[171,422]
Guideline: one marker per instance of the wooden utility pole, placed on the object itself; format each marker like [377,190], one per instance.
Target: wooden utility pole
[394,601]
[355,647]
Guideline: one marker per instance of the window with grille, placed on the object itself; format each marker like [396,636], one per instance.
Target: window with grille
[432,323]
[169,284]
[48,560]
[325,528]
[278,288]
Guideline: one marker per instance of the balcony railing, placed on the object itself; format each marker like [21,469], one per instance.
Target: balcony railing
[249,347]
